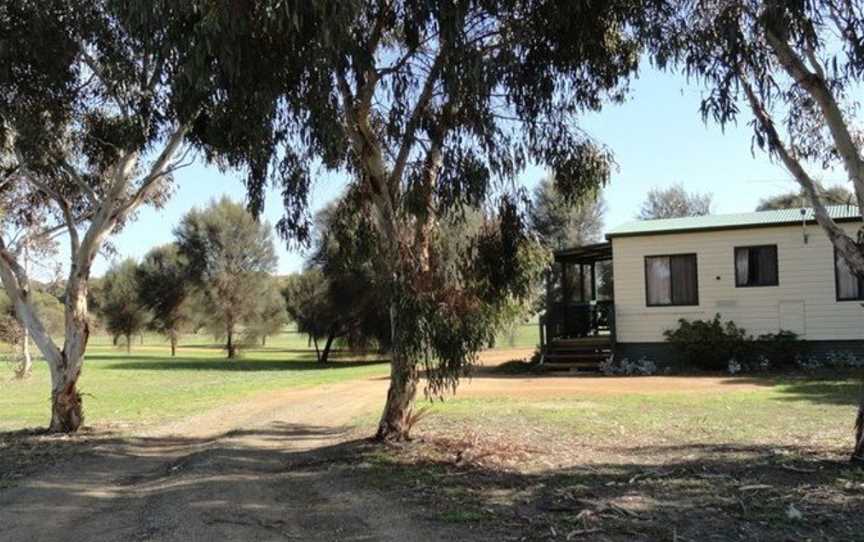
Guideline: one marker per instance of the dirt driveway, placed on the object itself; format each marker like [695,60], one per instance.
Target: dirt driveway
[267,468]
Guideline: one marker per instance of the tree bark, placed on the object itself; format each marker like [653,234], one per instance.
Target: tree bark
[26,360]
[326,352]
[395,424]
[232,349]
[858,452]
[26,367]
[128,344]
[317,351]
[67,414]
[114,207]
[173,340]
[66,408]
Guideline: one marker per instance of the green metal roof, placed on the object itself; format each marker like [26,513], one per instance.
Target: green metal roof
[841,213]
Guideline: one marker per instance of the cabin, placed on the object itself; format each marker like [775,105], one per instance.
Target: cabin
[766,271]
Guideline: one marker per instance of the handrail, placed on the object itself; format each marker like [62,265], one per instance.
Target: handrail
[578,320]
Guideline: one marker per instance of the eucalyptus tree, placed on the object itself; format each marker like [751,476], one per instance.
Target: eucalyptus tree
[430,107]
[674,202]
[96,102]
[164,289]
[797,70]
[230,256]
[562,223]
[797,199]
[270,314]
[310,307]
[119,304]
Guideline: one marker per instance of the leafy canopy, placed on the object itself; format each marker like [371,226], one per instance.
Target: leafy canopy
[430,108]
[560,223]
[120,309]
[230,257]
[674,202]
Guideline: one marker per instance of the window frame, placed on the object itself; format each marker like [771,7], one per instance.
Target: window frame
[776,266]
[672,303]
[837,282]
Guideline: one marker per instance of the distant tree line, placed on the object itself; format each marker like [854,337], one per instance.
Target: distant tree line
[216,276]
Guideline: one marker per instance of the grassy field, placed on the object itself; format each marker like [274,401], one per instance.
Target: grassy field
[776,409]
[148,386]
[764,459]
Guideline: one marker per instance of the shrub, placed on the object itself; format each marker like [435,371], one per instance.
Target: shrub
[734,367]
[780,348]
[624,367]
[831,360]
[709,344]
[843,360]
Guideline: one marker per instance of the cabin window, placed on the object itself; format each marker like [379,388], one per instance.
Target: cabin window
[671,280]
[756,266]
[850,287]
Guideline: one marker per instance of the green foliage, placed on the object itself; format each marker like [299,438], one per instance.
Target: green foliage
[230,257]
[350,257]
[270,314]
[509,78]
[834,195]
[48,308]
[119,307]
[709,344]
[307,299]
[782,349]
[444,321]
[164,289]
[560,222]
[674,202]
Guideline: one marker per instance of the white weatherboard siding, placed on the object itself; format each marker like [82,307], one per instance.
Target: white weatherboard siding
[805,300]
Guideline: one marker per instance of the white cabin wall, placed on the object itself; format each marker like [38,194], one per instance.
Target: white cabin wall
[806,276]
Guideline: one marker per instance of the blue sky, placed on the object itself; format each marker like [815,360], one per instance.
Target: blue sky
[657,136]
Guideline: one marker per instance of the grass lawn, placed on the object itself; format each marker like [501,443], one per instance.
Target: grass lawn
[523,335]
[766,459]
[149,386]
[797,410]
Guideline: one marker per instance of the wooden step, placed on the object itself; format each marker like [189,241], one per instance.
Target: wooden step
[581,342]
[571,366]
[576,357]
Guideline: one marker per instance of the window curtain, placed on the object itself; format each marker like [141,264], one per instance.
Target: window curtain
[684,280]
[847,282]
[742,266]
[658,281]
[767,265]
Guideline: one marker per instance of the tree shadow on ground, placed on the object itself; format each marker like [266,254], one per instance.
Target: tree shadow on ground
[267,483]
[826,388]
[254,483]
[135,362]
[692,492]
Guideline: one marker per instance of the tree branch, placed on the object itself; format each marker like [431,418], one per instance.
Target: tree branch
[414,121]
[158,170]
[15,282]
[80,182]
[818,90]
[97,70]
[845,244]
[65,208]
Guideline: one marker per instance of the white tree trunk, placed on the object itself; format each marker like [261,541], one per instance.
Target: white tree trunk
[26,360]
[114,207]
